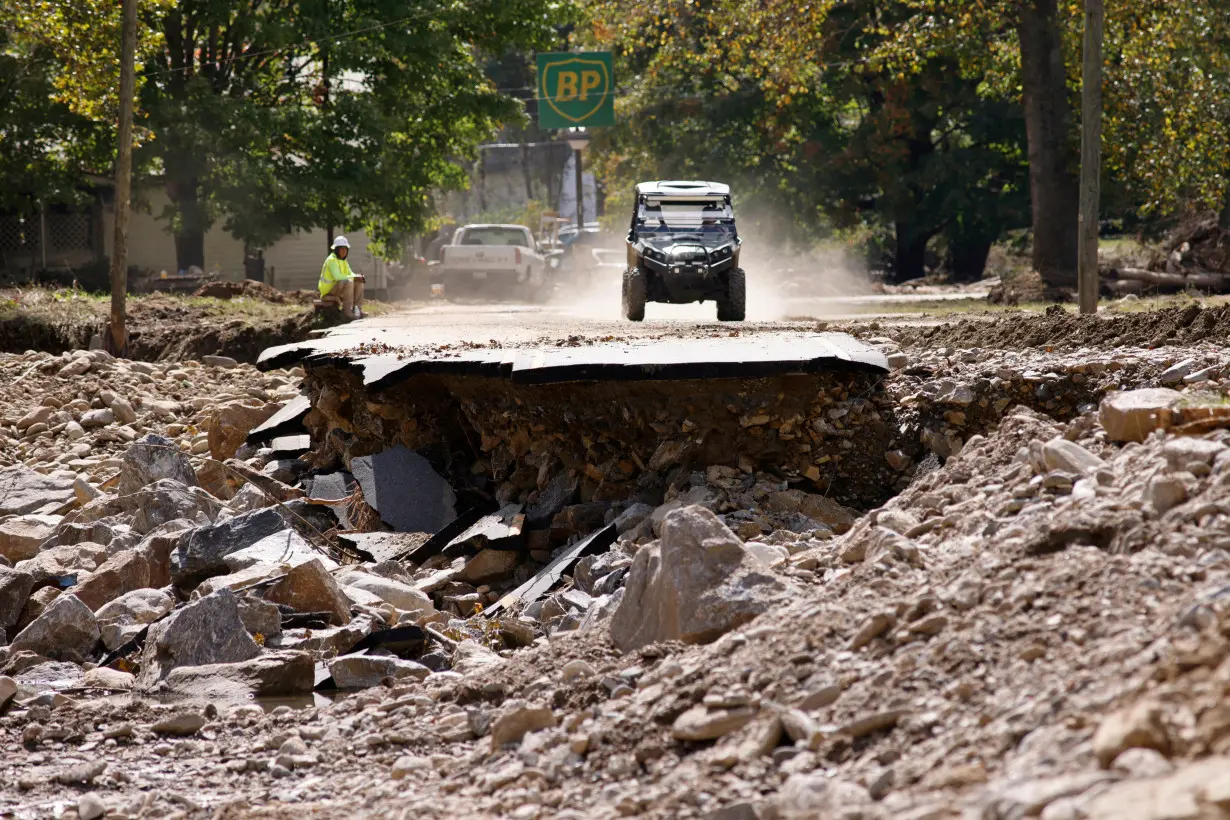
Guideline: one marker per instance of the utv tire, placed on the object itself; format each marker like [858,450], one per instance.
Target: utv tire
[635,294]
[732,307]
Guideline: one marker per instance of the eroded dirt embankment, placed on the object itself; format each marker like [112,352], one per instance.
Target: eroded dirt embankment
[161,328]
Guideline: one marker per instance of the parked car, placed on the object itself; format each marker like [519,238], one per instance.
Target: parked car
[492,260]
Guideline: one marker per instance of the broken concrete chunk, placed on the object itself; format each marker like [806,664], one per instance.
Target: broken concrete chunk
[694,585]
[1134,414]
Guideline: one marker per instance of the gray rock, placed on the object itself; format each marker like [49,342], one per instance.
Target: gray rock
[260,617]
[69,559]
[1183,451]
[225,362]
[90,807]
[8,691]
[287,672]
[1070,457]
[814,794]
[23,491]
[15,587]
[200,552]
[365,671]
[516,719]
[66,630]
[285,548]
[98,418]
[402,596]
[204,632]
[310,588]
[632,517]
[169,500]
[151,459]
[22,536]
[118,405]
[695,584]
[1177,372]
[180,724]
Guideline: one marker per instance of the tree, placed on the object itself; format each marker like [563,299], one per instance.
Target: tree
[274,116]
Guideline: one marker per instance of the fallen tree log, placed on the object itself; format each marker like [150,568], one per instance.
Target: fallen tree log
[1200,280]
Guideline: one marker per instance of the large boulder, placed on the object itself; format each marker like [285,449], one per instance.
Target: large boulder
[23,491]
[204,632]
[121,619]
[151,459]
[121,573]
[15,587]
[66,630]
[70,559]
[364,671]
[696,583]
[21,536]
[310,588]
[287,672]
[402,596]
[230,423]
[286,547]
[169,500]
[200,552]
[157,545]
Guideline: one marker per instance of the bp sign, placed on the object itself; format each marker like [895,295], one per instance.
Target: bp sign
[576,90]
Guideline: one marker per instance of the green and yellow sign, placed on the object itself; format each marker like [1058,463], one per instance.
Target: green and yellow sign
[576,90]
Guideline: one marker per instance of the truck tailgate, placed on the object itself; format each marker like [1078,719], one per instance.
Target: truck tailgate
[461,258]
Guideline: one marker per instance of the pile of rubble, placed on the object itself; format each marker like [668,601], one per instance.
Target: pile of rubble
[1034,626]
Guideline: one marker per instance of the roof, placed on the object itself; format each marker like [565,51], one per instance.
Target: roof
[683,188]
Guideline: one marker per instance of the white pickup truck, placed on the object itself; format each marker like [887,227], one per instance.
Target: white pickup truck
[492,259]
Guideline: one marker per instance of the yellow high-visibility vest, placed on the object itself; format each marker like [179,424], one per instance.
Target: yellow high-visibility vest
[334,270]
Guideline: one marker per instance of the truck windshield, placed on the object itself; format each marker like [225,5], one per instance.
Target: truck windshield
[495,236]
[699,216]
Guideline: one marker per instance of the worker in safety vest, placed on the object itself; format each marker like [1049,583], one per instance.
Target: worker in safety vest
[339,284]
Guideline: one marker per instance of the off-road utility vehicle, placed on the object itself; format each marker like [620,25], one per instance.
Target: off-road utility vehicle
[683,247]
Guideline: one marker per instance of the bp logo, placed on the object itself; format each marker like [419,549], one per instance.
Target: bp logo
[575,90]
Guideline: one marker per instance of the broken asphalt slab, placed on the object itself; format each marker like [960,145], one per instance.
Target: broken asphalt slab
[287,421]
[549,576]
[717,357]
[405,490]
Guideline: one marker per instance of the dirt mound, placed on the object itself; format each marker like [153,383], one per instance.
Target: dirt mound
[252,289]
[1058,328]
[1207,244]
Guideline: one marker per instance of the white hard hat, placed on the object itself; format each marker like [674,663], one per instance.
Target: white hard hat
[341,242]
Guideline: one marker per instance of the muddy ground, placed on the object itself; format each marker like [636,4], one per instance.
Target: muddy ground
[1034,627]
[229,321]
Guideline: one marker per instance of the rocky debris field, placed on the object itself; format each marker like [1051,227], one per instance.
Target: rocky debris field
[1034,624]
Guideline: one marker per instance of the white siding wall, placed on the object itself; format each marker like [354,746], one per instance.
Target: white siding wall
[294,260]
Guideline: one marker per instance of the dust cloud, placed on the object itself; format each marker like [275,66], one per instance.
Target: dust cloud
[780,285]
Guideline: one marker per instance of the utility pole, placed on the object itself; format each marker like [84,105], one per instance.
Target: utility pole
[116,340]
[1091,158]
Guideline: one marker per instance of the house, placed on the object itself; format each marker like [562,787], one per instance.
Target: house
[291,263]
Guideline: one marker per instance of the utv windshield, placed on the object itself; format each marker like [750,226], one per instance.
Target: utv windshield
[707,218]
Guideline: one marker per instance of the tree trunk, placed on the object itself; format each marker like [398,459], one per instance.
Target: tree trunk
[910,259]
[190,221]
[1054,191]
[1223,221]
[968,258]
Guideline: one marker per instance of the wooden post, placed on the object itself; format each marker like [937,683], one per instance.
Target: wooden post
[1091,157]
[580,193]
[117,340]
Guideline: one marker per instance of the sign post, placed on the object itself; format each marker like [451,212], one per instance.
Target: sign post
[576,92]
